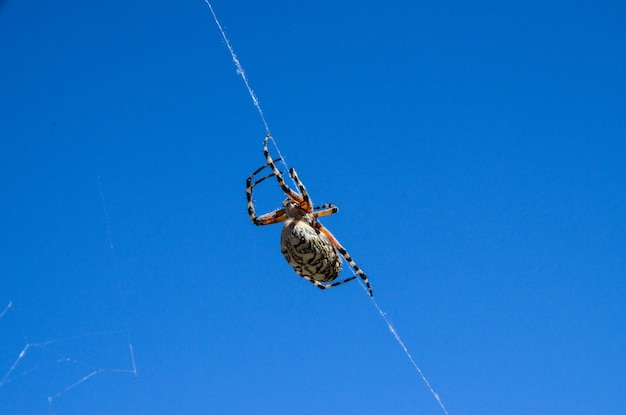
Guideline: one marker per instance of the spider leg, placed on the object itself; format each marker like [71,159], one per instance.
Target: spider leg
[346,255]
[268,218]
[257,171]
[306,200]
[323,286]
[325,210]
[281,181]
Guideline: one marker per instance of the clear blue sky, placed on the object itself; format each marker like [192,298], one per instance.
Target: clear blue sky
[477,152]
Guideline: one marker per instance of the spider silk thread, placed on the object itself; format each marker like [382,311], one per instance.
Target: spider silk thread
[393,331]
[241,72]
[255,101]
[117,274]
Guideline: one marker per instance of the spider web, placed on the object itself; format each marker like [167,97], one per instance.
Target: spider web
[41,374]
[241,72]
[383,315]
[35,375]
[393,331]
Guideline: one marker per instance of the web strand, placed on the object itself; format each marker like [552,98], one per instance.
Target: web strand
[393,331]
[116,271]
[244,77]
[6,309]
[240,70]
[21,367]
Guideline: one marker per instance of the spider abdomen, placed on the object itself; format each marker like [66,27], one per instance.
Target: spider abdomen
[309,252]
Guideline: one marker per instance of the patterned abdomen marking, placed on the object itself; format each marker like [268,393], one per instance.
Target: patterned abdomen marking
[309,252]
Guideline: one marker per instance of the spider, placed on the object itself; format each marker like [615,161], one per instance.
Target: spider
[306,244]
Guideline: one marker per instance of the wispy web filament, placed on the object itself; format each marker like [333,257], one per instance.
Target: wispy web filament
[393,331]
[240,70]
[244,77]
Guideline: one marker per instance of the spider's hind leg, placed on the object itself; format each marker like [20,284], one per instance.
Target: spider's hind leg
[323,286]
[358,271]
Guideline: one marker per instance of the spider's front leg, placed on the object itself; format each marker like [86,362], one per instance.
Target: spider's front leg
[304,200]
[293,195]
[268,218]
[325,210]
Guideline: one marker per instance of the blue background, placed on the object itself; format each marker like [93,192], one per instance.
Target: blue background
[477,152]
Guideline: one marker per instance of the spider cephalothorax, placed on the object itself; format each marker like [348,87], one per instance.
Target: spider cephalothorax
[307,245]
